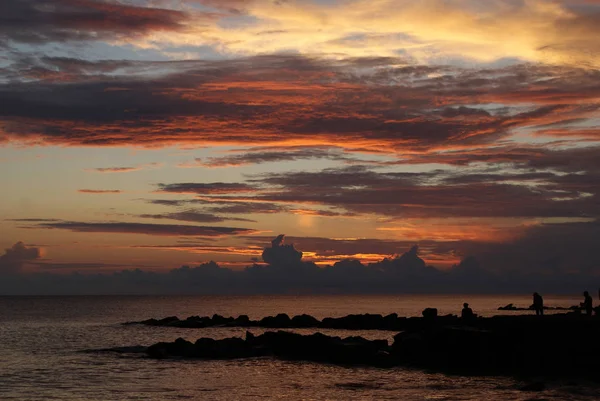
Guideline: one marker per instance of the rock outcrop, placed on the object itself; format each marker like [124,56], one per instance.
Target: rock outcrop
[551,346]
[281,344]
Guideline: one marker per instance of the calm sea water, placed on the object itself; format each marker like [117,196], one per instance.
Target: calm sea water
[41,339]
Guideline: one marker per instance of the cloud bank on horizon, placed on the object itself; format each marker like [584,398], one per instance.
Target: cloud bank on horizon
[284,271]
[162,134]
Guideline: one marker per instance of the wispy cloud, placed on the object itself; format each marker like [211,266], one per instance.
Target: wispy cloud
[127,169]
[145,228]
[100,191]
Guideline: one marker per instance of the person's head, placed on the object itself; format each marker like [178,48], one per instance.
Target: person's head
[585,293]
[465,305]
[535,294]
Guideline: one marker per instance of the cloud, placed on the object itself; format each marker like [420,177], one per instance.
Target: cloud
[41,21]
[15,257]
[550,258]
[145,228]
[433,194]
[100,191]
[193,216]
[206,188]
[34,220]
[308,105]
[545,251]
[123,169]
[260,156]
[113,169]
[240,207]
[501,182]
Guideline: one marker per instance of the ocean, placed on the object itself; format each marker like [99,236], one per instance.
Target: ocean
[43,342]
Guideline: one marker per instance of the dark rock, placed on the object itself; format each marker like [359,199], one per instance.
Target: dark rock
[179,347]
[282,320]
[315,347]
[558,346]
[354,322]
[168,321]
[193,322]
[218,320]
[430,313]
[304,321]
[242,320]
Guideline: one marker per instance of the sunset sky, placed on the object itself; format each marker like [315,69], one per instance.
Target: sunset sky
[158,133]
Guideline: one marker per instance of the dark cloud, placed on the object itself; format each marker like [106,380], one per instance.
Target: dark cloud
[99,191]
[256,101]
[15,257]
[41,21]
[331,247]
[515,183]
[545,251]
[551,258]
[113,169]
[193,216]
[147,229]
[248,207]
[260,156]
[33,220]
[433,194]
[78,267]
[167,202]
[206,188]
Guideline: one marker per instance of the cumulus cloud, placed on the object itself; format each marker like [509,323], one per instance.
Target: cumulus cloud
[281,254]
[15,257]
[524,265]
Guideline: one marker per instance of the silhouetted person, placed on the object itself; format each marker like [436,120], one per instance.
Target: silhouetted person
[587,303]
[467,313]
[538,304]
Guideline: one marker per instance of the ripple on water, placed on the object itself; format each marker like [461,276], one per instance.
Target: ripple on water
[41,340]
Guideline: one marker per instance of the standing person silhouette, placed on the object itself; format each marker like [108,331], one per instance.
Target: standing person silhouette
[538,304]
[587,303]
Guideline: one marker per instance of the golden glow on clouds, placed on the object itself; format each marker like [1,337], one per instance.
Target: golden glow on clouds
[309,102]
[425,31]
[485,230]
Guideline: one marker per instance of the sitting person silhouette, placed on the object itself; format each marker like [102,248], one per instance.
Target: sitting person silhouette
[587,303]
[538,304]
[467,313]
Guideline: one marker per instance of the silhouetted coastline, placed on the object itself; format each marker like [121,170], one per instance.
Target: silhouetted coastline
[367,321]
[553,346]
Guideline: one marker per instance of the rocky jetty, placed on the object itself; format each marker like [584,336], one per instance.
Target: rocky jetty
[559,346]
[512,307]
[281,344]
[391,322]
[367,321]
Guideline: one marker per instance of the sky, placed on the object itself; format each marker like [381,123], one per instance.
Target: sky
[157,134]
